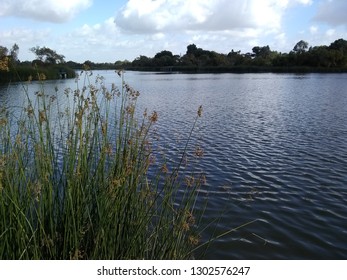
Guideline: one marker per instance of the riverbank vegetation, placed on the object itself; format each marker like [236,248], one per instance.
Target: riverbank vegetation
[75,184]
[302,58]
[47,63]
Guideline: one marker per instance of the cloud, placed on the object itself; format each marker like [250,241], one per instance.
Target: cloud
[100,33]
[220,25]
[330,32]
[332,12]
[304,2]
[103,42]
[43,10]
[313,29]
[148,16]
[24,36]
[152,16]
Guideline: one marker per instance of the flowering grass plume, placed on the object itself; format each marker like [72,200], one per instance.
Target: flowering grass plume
[74,180]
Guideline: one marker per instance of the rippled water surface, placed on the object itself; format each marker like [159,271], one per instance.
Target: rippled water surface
[275,152]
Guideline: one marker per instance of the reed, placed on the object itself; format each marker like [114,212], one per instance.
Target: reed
[75,183]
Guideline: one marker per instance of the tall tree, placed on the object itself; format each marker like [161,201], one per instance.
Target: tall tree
[300,47]
[339,45]
[191,49]
[163,53]
[14,53]
[48,55]
[263,52]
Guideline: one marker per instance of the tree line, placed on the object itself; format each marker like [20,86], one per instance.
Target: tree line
[301,58]
[262,58]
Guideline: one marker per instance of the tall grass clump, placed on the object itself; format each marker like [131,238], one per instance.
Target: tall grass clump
[75,184]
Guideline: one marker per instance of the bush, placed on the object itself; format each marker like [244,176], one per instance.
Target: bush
[21,73]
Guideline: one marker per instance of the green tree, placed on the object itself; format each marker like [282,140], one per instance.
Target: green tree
[340,45]
[120,64]
[320,57]
[14,53]
[48,55]
[3,51]
[164,58]
[235,58]
[300,47]
[163,53]
[191,49]
[262,55]
[142,61]
[217,59]
[263,52]
[339,52]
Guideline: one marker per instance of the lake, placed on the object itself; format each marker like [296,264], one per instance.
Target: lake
[275,154]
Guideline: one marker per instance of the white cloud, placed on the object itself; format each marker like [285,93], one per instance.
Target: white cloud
[101,33]
[104,42]
[322,36]
[89,41]
[26,38]
[211,24]
[149,16]
[144,27]
[330,32]
[152,16]
[43,10]
[280,42]
[313,29]
[332,12]
[304,2]
[24,35]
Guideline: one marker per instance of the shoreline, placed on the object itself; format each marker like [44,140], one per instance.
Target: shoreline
[235,69]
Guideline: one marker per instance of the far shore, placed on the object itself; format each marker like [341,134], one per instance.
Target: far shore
[236,69]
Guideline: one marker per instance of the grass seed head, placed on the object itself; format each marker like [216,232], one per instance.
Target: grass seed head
[200,111]
[199,152]
[154,117]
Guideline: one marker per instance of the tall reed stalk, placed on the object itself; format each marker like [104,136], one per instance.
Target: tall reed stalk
[74,180]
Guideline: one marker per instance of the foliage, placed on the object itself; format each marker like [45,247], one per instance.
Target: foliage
[300,47]
[48,63]
[262,58]
[14,53]
[318,58]
[23,72]
[74,180]
[263,52]
[4,60]
[47,55]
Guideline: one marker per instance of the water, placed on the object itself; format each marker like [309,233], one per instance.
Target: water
[275,154]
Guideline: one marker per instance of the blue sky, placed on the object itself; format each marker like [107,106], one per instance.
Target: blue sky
[107,31]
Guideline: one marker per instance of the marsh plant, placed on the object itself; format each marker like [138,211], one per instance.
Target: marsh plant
[75,184]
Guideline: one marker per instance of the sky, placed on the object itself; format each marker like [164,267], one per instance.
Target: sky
[107,31]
